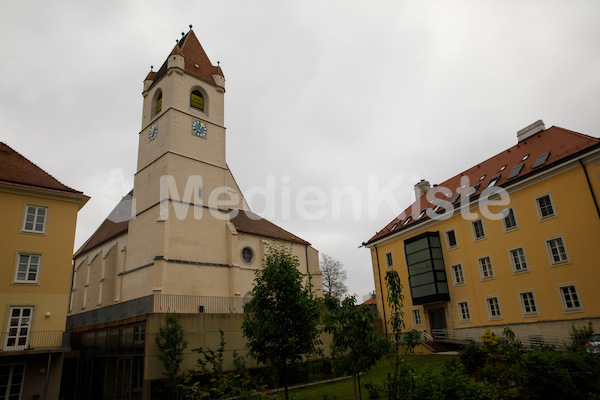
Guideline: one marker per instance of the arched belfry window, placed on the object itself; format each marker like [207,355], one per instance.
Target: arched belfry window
[197,100]
[157,106]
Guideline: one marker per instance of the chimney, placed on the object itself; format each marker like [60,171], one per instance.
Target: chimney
[530,130]
[421,188]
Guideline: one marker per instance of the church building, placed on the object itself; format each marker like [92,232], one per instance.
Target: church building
[183,241]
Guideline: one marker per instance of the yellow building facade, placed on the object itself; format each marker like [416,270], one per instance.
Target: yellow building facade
[526,259]
[38,216]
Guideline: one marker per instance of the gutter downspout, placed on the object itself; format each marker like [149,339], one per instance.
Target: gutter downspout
[381,290]
[587,178]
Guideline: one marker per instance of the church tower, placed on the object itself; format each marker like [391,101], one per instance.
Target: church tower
[183,188]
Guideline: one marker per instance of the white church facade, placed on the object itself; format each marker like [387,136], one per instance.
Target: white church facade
[183,241]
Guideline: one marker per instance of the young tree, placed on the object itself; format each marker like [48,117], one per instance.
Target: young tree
[334,276]
[171,344]
[282,327]
[355,346]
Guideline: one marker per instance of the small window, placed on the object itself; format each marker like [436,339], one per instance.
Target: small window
[478,232]
[525,157]
[421,214]
[502,168]
[463,311]
[457,275]
[517,260]
[247,255]
[407,220]
[541,160]
[569,298]
[13,380]
[515,171]
[197,100]
[509,220]
[557,251]
[158,106]
[28,267]
[35,219]
[528,306]
[482,177]
[451,239]
[485,268]
[493,307]
[545,207]
[495,179]
[394,226]
[389,260]
[416,315]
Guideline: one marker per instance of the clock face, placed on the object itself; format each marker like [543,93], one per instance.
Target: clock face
[199,129]
[152,132]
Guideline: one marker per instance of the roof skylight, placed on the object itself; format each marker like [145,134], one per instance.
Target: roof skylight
[502,168]
[482,177]
[525,157]
[541,160]
[494,180]
[515,171]
[407,220]
[394,226]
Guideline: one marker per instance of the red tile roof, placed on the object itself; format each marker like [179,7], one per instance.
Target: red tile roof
[245,221]
[197,62]
[560,143]
[248,222]
[16,170]
[372,300]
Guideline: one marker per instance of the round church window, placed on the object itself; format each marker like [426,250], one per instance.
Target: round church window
[247,255]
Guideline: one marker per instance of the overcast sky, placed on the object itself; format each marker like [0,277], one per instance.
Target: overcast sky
[325,95]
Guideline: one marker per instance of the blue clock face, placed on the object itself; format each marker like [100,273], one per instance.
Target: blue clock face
[199,129]
[152,132]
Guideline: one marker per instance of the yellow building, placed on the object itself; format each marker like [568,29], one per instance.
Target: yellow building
[526,258]
[183,241]
[38,215]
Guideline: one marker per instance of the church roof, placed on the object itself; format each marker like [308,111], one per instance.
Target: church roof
[117,224]
[248,222]
[16,170]
[197,62]
[527,158]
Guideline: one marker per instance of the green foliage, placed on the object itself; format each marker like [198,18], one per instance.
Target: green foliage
[213,382]
[171,344]
[283,326]
[580,336]
[375,390]
[355,346]
[395,301]
[472,357]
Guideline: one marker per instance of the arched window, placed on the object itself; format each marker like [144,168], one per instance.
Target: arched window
[157,104]
[197,100]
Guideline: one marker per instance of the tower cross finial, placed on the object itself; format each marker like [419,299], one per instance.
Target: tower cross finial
[151,67]
[190,27]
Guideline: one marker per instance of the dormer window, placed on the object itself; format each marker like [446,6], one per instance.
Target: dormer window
[197,100]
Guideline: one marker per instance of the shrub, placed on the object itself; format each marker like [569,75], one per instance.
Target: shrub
[472,357]
[580,336]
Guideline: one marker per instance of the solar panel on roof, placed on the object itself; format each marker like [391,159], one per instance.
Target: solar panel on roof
[541,160]
[515,171]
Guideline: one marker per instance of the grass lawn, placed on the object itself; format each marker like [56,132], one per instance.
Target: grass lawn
[343,389]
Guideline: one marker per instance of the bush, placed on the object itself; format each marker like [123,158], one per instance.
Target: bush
[580,336]
[473,358]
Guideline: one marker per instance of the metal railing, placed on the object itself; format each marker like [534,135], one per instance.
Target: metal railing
[164,303]
[528,340]
[33,340]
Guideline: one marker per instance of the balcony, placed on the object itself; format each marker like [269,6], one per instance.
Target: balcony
[33,341]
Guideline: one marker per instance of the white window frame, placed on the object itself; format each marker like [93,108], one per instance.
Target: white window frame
[15,326]
[563,300]
[532,298]
[522,260]
[511,228]
[448,246]
[461,316]
[454,268]
[10,384]
[493,308]
[566,260]
[473,223]
[27,271]
[417,317]
[481,268]
[389,259]
[35,220]
[538,209]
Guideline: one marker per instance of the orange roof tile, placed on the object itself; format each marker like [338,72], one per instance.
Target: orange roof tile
[16,170]
[560,143]
[197,62]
